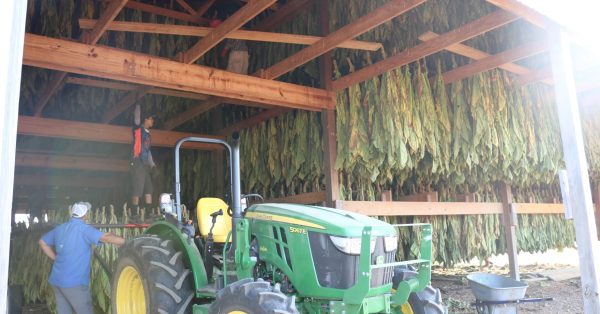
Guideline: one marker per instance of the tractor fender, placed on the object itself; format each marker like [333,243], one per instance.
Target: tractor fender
[183,243]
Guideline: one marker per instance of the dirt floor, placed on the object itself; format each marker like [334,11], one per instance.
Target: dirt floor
[458,297]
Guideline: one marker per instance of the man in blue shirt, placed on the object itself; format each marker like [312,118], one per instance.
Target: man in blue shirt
[72,252]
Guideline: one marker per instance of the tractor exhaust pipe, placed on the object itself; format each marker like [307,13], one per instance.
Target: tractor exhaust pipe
[236,188]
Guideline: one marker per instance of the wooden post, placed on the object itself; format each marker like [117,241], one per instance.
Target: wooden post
[509,220]
[575,159]
[12,21]
[386,196]
[328,116]
[597,208]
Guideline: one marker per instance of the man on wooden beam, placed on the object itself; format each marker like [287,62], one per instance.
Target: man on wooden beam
[142,162]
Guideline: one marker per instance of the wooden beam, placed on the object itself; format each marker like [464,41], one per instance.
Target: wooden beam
[287,11]
[509,221]
[192,112]
[539,208]
[420,208]
[51,161]
[465,32]
[252,121]
[492,62]
[91,37]
[363,24]
[577,168]
[237,20]
[522,10]
[136,5]
[204,7]
[475,54]
[97,132]
[129,100]
[200,31]
[132,87]
[149,70]
[305,198]
[187,7]
[420,197]
[332,184]
[114,8]
[67,181]
[384,208]
[55,82]
[534,76]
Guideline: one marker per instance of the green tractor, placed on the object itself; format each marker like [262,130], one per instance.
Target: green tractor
[270,258]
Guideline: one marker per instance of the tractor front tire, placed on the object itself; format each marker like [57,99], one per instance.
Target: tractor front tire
[428,301]
[252,297]
[150,277]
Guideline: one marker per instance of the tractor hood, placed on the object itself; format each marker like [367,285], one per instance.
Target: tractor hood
[320,219]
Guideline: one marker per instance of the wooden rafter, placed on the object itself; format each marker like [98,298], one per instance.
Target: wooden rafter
[365,23]
[465,32]
[89,37]
[136,5]
[70,162]
[97,132]
[491,62]
[520,9]
[200,31]
[204,7]
[284,13]
[149,70]
[114,8]
[192,112]
[129,100]
[55,82]
[476,54]
[132,87]
[187,7]
[252,121]
[535,76]
[237,20]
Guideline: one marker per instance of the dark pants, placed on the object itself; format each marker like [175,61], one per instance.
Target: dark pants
[73,300]
[141,183]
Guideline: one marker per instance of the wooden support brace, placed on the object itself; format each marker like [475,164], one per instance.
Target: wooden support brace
[509,222]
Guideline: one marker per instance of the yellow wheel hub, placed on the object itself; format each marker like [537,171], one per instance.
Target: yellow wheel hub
[130,292]
[406,309]
[237,312]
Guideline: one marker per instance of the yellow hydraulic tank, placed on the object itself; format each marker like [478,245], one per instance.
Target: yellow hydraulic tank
[207,206]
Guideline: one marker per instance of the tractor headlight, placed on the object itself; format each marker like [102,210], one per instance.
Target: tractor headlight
[350,245]
[390,243]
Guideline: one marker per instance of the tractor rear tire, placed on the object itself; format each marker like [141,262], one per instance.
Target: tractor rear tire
[150,277]
[428,301]
[253,297]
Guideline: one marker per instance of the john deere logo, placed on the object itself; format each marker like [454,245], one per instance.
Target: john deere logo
[379,260]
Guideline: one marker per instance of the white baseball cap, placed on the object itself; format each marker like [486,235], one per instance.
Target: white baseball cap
[79,209]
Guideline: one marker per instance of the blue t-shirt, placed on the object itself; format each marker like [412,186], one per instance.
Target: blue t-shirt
[72,242]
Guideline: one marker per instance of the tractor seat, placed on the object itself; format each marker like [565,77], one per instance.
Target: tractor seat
[207,206]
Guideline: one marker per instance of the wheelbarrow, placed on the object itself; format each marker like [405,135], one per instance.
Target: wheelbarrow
[495,294]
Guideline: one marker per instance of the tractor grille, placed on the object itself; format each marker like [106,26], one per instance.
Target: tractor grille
[382,276]
[336,269]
